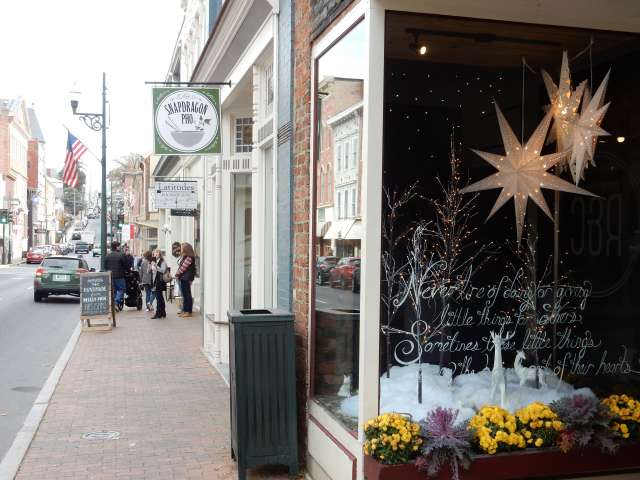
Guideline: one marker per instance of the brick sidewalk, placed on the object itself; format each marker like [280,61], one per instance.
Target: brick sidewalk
[148,380]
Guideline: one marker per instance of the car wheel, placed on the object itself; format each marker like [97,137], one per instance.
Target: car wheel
[37,297]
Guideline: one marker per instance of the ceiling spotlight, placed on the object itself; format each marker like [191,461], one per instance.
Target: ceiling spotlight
[423,50]
[620,139]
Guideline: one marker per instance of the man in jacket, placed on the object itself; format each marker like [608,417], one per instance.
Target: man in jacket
[117,264]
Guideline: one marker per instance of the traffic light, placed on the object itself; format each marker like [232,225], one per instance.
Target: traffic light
[120,220]
[4,216]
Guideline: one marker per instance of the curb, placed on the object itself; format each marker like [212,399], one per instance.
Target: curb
[16,453]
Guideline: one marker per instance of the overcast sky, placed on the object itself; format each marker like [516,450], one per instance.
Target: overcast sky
[49,48]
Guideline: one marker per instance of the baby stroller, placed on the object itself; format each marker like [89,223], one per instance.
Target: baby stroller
[132,293]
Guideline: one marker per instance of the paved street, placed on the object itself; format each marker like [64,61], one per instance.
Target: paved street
[327,297]
[32,336]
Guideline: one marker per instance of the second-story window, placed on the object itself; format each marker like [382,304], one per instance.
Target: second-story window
[244,135]
[268,87]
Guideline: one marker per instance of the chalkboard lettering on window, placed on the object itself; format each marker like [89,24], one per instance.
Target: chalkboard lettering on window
[95,294]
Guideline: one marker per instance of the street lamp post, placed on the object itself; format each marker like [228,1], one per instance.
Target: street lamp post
[97,122]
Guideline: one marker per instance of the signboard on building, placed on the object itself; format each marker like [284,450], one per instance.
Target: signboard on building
[177,194]
[128,232]
[186,121]
[183,212]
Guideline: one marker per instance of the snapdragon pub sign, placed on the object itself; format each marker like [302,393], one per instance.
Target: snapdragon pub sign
[186,121]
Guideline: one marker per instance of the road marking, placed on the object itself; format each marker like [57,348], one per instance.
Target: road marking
[30,288]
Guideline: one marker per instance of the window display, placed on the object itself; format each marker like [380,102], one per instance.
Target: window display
[337,236]
[511,208]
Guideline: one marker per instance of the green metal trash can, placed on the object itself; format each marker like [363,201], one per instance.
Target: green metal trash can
[263,389]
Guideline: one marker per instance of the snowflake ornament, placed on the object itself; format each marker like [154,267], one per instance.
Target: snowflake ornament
[522,171]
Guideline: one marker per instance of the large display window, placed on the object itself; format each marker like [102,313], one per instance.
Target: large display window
[340,75]
[511,212]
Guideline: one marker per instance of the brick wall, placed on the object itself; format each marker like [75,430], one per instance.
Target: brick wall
[32,164]
[301,199]
[324,12]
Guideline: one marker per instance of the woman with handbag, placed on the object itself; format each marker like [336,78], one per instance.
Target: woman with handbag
[146,278]
[185,274]
[159,271]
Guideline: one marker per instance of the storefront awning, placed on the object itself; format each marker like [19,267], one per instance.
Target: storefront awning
[355,232]
[322,228]
[339,229]
[147,223]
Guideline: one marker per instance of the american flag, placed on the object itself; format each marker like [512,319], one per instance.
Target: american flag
[75,150]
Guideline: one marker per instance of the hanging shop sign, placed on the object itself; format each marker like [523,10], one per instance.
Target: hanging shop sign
[128,232]
[186,121]
[183,212]
[177,194]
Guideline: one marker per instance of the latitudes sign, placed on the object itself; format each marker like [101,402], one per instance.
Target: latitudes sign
[177,194]
[186,121]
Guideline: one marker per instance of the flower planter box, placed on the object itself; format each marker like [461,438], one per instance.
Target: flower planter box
[521,465]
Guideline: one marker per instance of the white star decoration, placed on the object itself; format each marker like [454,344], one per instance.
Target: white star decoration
[522,171]
[586,130]
[564,105]
[572,130]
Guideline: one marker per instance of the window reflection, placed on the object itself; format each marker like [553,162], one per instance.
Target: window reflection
[338,229]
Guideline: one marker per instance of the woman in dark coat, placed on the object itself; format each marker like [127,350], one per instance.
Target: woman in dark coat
[158,267]
[185,274]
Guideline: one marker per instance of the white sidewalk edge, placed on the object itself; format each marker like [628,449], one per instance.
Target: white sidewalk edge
[16,453]
[215,365]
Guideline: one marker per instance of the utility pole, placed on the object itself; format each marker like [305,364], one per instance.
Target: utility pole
[98,122]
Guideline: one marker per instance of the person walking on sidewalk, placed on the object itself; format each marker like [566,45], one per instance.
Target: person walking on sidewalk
[176,249]
[185,274]
[116,263]
[146,278]
[158,269]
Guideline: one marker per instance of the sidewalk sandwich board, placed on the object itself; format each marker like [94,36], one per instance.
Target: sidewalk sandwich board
[97,311]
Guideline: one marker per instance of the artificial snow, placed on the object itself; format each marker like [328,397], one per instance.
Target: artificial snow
[467,393]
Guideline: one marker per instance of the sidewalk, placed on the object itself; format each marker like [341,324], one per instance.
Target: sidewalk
[147,380]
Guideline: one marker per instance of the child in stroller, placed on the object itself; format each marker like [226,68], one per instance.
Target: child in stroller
[133,294]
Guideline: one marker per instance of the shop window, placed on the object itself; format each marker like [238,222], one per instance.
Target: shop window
[241,271]
[268,89]
[341,72]
[501,267]
[244,134]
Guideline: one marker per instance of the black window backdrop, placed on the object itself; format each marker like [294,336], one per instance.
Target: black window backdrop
[575,313]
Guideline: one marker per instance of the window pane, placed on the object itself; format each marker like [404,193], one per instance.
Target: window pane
[241,241]
[337,238]
[571,310]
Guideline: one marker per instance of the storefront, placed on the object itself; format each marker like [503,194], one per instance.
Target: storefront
[500,188]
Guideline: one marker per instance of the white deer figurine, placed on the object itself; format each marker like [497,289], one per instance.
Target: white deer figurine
[498,373]
[527,373]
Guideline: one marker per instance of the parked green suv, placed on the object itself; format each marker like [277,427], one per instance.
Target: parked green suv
[58,275]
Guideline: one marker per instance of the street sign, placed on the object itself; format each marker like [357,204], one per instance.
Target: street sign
[177,194]
[183,212]
[186,121]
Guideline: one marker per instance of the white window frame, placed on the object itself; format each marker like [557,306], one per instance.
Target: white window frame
[238,123]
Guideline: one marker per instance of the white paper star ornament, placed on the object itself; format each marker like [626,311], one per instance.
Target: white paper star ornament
[565,102]
[586,130]
[522,171]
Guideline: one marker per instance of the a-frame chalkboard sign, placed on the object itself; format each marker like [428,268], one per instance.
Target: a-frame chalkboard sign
[97,311]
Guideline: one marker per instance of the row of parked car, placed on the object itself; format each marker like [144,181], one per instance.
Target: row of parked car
[343,272]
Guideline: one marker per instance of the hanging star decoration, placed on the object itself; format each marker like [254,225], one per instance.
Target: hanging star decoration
[573,130]
[522,171]
[565,102]
[586,130]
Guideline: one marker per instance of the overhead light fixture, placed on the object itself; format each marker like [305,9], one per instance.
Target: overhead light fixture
[417,46]
[620,139]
